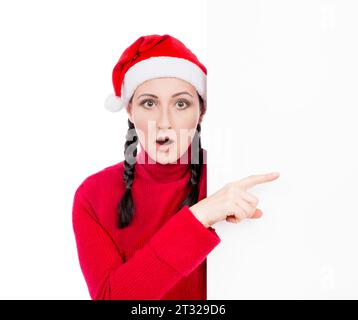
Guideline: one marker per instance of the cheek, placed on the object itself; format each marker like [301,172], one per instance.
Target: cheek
[185,126]
[145,125]
[187,120]
[141,125]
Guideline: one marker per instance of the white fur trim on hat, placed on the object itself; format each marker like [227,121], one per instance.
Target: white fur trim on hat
[157,67]
[114,103]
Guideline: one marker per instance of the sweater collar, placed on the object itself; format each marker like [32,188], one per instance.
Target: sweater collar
[148,168]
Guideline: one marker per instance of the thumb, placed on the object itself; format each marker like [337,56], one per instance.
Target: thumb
[257,214]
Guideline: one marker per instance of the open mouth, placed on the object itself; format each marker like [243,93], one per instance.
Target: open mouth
[164,141]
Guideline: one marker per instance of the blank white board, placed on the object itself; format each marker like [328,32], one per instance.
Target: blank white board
[282,95]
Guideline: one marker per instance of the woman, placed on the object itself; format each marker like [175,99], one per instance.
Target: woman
[143,225]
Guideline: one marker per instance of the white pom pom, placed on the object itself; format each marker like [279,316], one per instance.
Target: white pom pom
[114,103]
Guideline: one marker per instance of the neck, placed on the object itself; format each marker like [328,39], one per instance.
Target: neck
[149,168]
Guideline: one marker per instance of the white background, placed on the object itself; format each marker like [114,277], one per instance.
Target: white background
[282,79]
[56,71]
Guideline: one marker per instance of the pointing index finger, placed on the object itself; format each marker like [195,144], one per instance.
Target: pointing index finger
[250,181]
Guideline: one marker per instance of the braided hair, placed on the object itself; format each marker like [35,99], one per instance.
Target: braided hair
[125,208]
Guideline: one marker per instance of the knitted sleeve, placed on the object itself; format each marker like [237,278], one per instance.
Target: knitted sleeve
[173,252]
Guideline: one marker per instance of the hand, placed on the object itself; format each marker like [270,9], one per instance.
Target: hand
[232,202]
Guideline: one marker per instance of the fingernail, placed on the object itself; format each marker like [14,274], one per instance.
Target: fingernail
[275,174]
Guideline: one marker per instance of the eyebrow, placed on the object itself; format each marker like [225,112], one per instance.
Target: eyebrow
[174,95]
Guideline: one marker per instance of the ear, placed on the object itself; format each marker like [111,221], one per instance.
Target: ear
[202,113]
[129,111]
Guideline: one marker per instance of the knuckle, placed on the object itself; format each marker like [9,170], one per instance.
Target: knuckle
[231,194]
[228,205]
[241,214]
[240,190]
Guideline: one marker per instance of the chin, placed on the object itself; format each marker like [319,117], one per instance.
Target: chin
[166,157]
[171,155]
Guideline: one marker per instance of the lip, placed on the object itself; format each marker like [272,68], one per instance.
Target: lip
[164,147]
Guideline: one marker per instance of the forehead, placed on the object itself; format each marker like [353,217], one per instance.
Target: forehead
[164,86]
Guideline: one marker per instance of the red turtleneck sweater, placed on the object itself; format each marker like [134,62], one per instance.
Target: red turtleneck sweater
[161,254]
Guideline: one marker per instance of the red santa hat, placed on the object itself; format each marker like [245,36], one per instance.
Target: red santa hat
[154,56]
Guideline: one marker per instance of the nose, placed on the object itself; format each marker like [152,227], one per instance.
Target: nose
[163,121]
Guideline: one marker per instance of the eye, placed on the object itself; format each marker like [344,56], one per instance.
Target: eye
[151,103]
[183,104]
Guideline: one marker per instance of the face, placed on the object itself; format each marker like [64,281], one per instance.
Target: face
[165,107]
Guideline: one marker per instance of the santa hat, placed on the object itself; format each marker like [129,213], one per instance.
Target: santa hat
[154,56]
